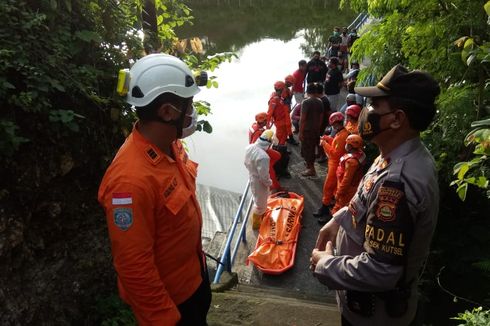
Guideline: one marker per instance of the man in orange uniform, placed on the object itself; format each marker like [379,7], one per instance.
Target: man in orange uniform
[352,114]
[349,172]
[257,128]
[287,94]
[287,98]
[335,149]
[254,132]
[149,197]
[278,114]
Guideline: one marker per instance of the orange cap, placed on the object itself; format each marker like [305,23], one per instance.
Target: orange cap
[261,117]
[290,79]
[279,85]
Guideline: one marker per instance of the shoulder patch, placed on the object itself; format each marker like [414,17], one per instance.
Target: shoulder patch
[122,198]
[389,196]
[123,218]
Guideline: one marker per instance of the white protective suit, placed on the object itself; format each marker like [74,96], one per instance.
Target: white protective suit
[257,163]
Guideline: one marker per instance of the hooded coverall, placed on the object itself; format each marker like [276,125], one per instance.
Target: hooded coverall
[335,149]
[257,163]
[349,174]
[278,114]
[154,223]
[253,134]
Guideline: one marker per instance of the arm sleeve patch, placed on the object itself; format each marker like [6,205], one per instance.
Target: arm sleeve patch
[389,226]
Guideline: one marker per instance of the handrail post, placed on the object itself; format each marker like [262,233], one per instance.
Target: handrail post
[226,258]
[228,261]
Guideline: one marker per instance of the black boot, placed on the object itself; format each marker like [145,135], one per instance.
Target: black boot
[324,218]
[324,209]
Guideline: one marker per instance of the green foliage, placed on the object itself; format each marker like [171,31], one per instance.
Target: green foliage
[61,119]
[113,312]
[476,317]
[475,171]
[9,140]
[483,265]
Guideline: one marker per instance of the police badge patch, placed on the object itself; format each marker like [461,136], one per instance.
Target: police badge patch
[123,218]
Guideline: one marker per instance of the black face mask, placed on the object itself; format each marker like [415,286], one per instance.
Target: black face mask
[369,124]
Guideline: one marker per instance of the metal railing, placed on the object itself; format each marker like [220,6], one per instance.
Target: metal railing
[229,254]
[359,21]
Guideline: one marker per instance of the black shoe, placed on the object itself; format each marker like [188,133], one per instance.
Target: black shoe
[323,210]
[286,174]
[324,218]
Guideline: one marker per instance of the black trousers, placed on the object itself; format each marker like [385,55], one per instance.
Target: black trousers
[345,322]
[194,310]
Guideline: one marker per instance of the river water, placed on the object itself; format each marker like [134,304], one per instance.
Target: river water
[269,40]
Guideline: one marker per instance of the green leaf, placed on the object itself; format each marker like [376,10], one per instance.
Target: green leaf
[8,85]
[207,127]
[462,189]
[481,123]
[482,182]
[68,5]
[462,171]
[487,8]
[54,4]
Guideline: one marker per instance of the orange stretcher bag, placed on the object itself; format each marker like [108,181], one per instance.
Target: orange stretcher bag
[275,250]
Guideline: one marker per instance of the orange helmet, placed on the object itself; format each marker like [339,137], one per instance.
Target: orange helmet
[335,117]
[353,111]
[354,140]
[279,85]
[261,117]
[290,79]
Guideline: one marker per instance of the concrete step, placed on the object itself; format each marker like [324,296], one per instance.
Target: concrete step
[248,305]
[215,249]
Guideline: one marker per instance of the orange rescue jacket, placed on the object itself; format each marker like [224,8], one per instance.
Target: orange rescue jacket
[154,223]
[278,112]
[335,148]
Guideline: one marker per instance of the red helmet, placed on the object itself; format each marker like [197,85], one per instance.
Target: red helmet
[354,140]
[335,117]
[261,117]
[290,79]
[279,85]
[353,111]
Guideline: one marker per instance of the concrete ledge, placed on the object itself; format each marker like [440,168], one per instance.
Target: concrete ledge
[241,309]
[227,282]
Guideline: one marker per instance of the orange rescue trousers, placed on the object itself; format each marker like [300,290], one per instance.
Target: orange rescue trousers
[330,184]
[274,157]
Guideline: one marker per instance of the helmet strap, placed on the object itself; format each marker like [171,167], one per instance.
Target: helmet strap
[178,124]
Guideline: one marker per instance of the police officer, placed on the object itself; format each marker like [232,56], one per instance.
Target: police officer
[383,236]
[149,197]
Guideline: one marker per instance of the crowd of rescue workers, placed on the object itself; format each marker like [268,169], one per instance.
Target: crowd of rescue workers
[327,128]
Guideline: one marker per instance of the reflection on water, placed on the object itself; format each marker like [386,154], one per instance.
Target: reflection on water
[269,42]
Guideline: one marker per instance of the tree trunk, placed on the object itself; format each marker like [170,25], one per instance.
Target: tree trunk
[151,41]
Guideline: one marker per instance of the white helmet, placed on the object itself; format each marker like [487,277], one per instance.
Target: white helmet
[156,74]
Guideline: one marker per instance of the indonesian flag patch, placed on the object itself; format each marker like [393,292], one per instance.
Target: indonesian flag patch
[122,198]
